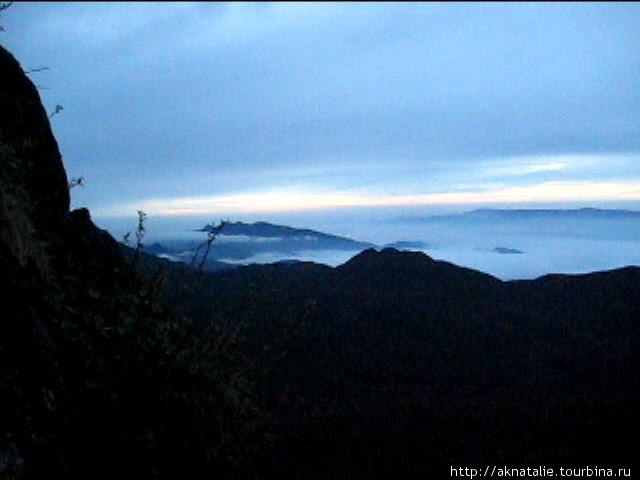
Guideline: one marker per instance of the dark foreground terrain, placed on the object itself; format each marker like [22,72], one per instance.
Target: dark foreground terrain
[395,365]
[116,364]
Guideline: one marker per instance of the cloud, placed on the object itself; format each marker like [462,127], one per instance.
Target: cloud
[205,99]
[291,200]
[527,169]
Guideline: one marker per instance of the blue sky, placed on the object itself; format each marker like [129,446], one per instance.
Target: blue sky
[221,109]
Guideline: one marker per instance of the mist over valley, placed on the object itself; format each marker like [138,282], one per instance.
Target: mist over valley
[507,243]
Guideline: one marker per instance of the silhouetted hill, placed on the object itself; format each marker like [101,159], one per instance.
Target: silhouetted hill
[395,364]
[515,214]
[263,237]
[270,230]
[586,212]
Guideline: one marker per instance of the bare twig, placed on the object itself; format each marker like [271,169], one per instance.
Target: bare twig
[3,7]
[57,110]
[140,231]
[212,233]
[76,182]
[36,70]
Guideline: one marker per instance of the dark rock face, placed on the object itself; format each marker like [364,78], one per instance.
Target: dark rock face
[25,135]
[91,356]
[34,205]
[38,239]
[95,248]
[36,412]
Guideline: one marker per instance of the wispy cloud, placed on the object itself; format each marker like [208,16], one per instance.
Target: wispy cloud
[528,169]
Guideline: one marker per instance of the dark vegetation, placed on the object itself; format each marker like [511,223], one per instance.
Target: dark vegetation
[116,364]
[396,366]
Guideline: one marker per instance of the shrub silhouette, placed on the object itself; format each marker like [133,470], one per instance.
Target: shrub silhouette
[154,392]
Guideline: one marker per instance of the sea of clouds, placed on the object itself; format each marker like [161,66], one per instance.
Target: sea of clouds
[547,245]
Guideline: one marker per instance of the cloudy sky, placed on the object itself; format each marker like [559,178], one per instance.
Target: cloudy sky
[222,108]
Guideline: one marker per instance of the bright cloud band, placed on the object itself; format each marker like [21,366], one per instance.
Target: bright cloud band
[270,201]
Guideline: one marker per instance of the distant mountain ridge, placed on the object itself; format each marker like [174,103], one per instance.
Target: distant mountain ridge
[243,241]
[265,242]
[585,212]
[270,230]
[265,237]
[530,214]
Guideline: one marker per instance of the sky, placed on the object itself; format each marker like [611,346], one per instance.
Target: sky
[224,109]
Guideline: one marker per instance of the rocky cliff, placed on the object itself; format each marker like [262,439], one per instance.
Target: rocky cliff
[30,155]
[33,212]
[99,377]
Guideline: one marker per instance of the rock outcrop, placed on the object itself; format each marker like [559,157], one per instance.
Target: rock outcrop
[33,213]
[30,157]
[100,377]
[39,238]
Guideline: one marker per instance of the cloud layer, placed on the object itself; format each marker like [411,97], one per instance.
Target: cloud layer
[373,101]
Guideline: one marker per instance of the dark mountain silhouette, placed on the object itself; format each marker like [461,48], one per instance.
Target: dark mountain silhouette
[270,238]
[156,248]
[395,364]
[117,363]
[586,212]
[264,237]
[270,230]
[488,214]
[242,241]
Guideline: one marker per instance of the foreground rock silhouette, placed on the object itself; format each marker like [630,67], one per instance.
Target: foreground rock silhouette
[99,376]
